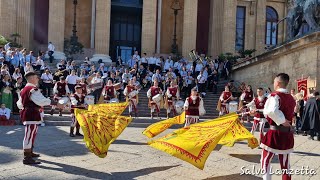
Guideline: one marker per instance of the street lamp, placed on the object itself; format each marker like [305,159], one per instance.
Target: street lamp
[175,6]
[74,37]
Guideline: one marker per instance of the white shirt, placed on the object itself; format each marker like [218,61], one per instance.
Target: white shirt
[72,79]
[55,89]
[158,62]
[36,96]
[156,76]
[271,108]
[199,67]
[15,76]
[136,57]
[46,78]
[126,77]
[5,112]
[201,79]
[7,46]
[51,47]
[96,80]
[144,60]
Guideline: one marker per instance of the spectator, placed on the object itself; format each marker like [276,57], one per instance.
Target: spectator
[4,113]
[28,68]
[16,74]
[72,81]
[47,83]
[51,49]
[311,116]
[6,92]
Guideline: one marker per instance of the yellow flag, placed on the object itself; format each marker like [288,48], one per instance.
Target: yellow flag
[157,128]
[100,129]
[194,144]
[110,108]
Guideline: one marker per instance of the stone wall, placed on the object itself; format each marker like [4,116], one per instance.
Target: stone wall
[297,58]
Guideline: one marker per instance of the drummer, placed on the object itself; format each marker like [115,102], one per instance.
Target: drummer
[77,101]
[131,93]
[245,98]
[225,98]
[193,106]
[154,103]
[109,92]
[172,95]
[83,85]
[60,90]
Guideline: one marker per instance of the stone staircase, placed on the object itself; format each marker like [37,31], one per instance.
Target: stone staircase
[143,120]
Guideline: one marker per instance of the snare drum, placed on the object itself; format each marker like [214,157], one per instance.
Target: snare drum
[117,86]
[89,100]
[64,103]
[133,93]
[157,98]
[179,106]
[233,106]
[114,100]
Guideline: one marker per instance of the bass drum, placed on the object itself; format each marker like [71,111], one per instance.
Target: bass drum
[133,93]
[64,104]
[89,100]
[233,106]
[179,107]
[157,98]
[114,100]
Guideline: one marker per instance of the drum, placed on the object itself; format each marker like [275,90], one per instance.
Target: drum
[64,103]
[114,100]
[157,98]
[89,100]
[138,86]
[233,106]
[179,106]
[117,86]
[133,93]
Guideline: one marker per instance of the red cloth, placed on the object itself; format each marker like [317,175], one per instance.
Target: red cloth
[154,91]
[259,105]
[276,139]
[80,102]
[130,89]
[173,91]
[248,97]
[225,96]
[303,86]
[31,110]
[193,108]
[61,88]
[109,92]
[5,122]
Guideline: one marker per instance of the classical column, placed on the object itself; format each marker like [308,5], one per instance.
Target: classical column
[93,23]
[25,22]
[56,23]
[159,26]
[7,17]
[260,26]
[215,28]
[190,11]
[149,20]
[102,31]
[229,26]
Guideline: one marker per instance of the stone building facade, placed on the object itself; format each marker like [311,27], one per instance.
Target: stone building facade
[116,27]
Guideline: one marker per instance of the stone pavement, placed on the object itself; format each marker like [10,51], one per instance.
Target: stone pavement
[130,158]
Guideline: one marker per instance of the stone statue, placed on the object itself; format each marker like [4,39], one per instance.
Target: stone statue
[302,11]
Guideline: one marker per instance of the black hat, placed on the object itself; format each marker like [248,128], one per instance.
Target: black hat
[28,74]
[77,87]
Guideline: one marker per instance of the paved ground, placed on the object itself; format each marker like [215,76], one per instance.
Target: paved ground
[130,158]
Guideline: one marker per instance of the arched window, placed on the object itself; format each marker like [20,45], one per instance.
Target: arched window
[271,26]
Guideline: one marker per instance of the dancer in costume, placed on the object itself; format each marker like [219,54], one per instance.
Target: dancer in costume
[109,92]
[279,111]
[131,93]
[60,90]
[155,96]
[193,107]
[30,101]
[256,107]
[225,98]
[245,98]
[172,95]
[77,101]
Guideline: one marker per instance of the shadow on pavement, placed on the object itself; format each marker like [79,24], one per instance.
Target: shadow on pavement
[235,176]
[7,158]
[305,153]
[254,158]
[69,169]
[128,142]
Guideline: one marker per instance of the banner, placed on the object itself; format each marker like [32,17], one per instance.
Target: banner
[303,87]
[100,129]
[110,108]
[157,128]
[194,144]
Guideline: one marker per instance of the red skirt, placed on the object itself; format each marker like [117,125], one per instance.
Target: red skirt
[278,142]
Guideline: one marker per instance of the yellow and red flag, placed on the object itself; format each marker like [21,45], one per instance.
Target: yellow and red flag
[194,144]
[100,129]
[110,108]
[157,128]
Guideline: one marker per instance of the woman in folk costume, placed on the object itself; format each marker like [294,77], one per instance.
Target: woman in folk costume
[172,95]
[6,92]
[109,92]
[77,101]
[223,103]
[193,107]
[256,107]
[131,94]
[155,97]
[245,98]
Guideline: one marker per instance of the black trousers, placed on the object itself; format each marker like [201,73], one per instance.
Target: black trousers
[50,53]
[96,93]
[46,87]
[71,87]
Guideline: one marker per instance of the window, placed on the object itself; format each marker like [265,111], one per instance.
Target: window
[271,26]
[240,27]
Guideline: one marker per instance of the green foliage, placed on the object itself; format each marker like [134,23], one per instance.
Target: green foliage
[3,40]
[70,49]
[246,53]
